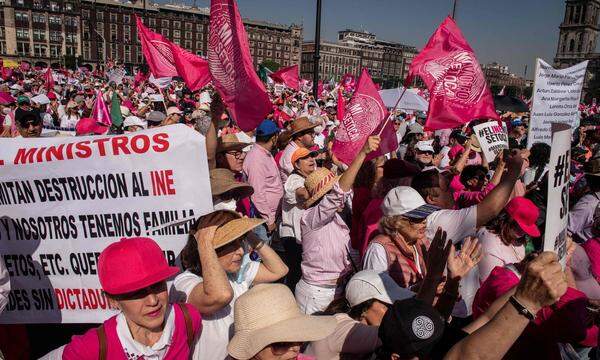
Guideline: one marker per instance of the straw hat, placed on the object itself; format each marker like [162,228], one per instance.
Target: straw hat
[223,180]
[268,314]
[301,124]
[318,184]
[475,146]
[230,225]
[230,142]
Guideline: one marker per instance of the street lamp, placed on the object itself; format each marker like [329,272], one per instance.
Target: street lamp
[317,56]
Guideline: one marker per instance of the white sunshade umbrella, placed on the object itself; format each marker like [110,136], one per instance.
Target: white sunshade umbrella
[410,101]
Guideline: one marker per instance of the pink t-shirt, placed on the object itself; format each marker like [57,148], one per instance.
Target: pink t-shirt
[86,346]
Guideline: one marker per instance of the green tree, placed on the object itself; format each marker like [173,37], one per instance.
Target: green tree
[271,65]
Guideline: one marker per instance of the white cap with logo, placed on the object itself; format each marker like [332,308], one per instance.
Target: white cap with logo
[406,201]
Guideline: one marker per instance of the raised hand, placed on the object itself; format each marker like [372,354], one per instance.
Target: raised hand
[372,144]
[437,255]
[460,264]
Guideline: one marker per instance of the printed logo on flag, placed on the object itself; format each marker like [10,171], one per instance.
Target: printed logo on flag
[458,77]
[363,115]
[223,57]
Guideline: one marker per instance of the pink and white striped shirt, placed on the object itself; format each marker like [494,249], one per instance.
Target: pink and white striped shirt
[325,240]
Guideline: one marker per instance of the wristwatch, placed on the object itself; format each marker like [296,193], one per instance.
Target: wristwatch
[521,309]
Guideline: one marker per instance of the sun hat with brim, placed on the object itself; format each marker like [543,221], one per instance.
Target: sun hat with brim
[525,213]
[41,99]
[302,153]
[230,142]
[173,110]
[268,314]
[425,146]
[235,229]
[370,284]
[223,180]
[318,184]
[301,124]
[132,264]
[406,201]
[475,146]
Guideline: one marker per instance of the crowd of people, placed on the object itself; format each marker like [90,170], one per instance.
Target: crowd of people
[427,252]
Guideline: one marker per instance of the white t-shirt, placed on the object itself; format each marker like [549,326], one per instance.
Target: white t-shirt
[69,121]
[458,224]
[496,253]
[217,328]
[290,212]
[7,120]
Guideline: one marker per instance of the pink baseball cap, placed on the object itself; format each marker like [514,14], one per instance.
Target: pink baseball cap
[525,213]
[132,264]
[87,126]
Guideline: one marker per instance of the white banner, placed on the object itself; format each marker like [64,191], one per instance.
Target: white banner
[161,82]
[492,138]
[63,200]
[116,75]
[557,212]
[555,99]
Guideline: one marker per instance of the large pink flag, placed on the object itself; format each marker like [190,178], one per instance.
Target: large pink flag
[192,68]
[457,87]
[49,80]
[340,105]
[287,76]
[100,111]
[231,67]
[364,115]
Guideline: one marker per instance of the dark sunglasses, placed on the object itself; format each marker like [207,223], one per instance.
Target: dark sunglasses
[280,348]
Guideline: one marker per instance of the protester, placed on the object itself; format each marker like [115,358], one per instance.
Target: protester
[581,216]
[302,134]
[227,191]
[133,274]
[214,278]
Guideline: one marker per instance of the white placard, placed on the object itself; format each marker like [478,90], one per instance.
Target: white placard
[492,139]
[557,211]
[555,99]
[63,200]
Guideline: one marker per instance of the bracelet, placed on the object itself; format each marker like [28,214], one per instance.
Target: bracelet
[521,309]
[260,245]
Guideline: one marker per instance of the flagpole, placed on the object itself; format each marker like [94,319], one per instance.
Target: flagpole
[454,10]
[391,112]
[316,56]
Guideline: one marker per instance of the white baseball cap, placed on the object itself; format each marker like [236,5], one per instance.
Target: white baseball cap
[134,121]
[41,99]
[406,201]
[424,146]
[370,284]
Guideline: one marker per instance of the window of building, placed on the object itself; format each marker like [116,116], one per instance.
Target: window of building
[22,33]
[40,50]
[55,50]
[68,6]
[85,14]
[70,38]
[37,4]
[100,16]
[113,17]
[38,18]
[54,19]
[164,32]
[152,22]
[198,44]
[23,48]
[54,6]
[39,35]
[188,45]
[164,23]
[188,26]
[126,19]
[127,53]
[126,34]
[71,51]
[188,35]
[55,36]
[199,27]
[199,53]
[176,33]
[21,17]
[177,41]
[177,24]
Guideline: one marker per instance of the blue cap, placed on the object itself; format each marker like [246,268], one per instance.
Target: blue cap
[267,128]
[517,122]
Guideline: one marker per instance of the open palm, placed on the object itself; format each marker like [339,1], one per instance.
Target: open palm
[460,264]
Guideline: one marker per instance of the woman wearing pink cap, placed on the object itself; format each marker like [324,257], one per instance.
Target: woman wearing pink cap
[503,239]
[133,274]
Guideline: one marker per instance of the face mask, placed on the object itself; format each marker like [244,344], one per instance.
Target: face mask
[318,129]
[226,205]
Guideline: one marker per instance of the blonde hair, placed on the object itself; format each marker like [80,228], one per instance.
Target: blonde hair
[389,225]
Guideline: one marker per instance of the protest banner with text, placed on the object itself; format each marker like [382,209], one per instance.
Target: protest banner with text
[555,99]
[492,138]
[63,200]
[557,214]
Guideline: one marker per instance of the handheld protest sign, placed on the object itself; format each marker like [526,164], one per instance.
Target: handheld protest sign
[64,199]
[493,139]
[557,211]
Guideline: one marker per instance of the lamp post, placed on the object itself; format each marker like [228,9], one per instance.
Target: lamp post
[316,56]
[454,10]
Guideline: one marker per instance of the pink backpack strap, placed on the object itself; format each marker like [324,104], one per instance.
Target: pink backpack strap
[103,346]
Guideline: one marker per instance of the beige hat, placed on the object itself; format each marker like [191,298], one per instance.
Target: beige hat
[223,180]
[230,142]
[475,146]
[268,314]
[301,124]
[230,225]
[173,110]
[125,111]
[318,184]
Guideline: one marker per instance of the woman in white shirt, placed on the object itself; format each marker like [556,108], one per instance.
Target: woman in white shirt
[209,280]
[503,239]
[71,116]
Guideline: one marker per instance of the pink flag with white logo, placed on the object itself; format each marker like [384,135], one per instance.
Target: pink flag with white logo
[49,80]
[231,67]
[100,111]
[340,105]
[288,76]
[192,68]
[364,115]
[458,92]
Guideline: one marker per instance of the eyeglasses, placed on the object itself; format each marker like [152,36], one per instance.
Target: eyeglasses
[236,154]
[280,348]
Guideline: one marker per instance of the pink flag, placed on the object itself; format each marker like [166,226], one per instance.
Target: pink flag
[231,66]
[363,116]
[192,68]
[287,76]
[457,87]
[139,78]
[167,59]
[49,80]
[319,88]
[100,112]
[340,105]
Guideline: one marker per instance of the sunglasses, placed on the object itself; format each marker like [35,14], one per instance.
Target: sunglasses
[280,348]
[236,154]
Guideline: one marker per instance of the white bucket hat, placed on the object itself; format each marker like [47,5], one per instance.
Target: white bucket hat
[268,314]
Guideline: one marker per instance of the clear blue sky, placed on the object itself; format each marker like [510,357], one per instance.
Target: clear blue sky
[511,32]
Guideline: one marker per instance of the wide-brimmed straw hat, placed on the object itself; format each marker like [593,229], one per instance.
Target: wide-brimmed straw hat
[229,142]
[301,124]
[318,184]
[475,146]
[230,225]
[268,314]
[223,180]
